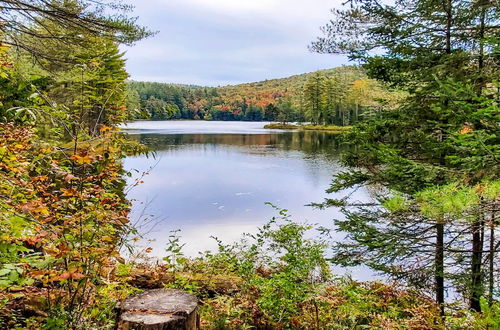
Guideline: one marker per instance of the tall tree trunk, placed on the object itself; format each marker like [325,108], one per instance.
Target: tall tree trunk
[491,258]
[338,114]
[476,272]
[439,252]
[439,265]
[449,22]
[481,80]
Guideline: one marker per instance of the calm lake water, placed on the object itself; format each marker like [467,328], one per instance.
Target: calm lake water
[214,178]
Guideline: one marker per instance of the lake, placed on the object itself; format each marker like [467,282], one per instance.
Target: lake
[212,178]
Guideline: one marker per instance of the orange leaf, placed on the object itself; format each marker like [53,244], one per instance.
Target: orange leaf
[81,159]
[105,129]
[76,276]
[466,129]
[68,192]
[106,239]
[68,276]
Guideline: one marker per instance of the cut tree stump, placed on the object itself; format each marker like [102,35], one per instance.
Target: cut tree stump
[160,309]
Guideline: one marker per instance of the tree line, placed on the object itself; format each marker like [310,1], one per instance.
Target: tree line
[337,96]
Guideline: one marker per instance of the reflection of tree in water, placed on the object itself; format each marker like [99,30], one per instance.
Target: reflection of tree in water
[300,163]
[311,143]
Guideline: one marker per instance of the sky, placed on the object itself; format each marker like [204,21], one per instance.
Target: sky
[223,42]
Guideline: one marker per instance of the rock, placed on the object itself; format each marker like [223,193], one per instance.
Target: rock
[160,309]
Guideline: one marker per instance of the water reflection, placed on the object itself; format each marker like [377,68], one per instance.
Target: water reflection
[310,143]
[209,184]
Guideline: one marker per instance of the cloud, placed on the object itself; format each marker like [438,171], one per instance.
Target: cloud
[237,6]
[219,42]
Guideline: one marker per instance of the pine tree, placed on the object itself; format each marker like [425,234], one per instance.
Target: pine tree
[443,53]
[331,101]
[271,112]
[313,96]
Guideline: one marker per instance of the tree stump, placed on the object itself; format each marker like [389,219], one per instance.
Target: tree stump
[160,309]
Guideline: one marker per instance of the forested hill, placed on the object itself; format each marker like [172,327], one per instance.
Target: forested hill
[293,84]
[335,95]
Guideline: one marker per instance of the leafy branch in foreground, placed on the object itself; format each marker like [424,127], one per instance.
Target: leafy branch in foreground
[29,24]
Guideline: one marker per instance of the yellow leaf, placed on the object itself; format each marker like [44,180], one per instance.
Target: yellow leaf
[81,159]
[42,210]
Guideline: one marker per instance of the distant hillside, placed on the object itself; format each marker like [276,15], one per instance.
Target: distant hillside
[296,82]
[285,99]
[265,91]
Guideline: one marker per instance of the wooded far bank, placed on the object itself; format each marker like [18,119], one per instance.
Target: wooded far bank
[338,96]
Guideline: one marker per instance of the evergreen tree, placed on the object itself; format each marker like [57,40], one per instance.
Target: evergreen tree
[253,113]
[313,96]
[331,101]
[90,87]
[271,112]
[157,108]
[133,103]
[286,111]
[443,53]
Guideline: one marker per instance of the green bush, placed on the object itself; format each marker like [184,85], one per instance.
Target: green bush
[281,279]
[281,126]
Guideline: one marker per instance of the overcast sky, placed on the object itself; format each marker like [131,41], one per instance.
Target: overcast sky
[220,42]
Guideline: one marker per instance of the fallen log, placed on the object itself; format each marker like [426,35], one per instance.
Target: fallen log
[159,309]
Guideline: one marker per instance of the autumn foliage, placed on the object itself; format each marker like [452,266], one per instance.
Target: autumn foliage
[63,217]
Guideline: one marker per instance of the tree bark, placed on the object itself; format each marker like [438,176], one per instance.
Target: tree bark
[491,260]
[439,262]
[439,266]
[476,272]
[481,80]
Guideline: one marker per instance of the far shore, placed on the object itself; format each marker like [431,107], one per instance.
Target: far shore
[309,127]
[270,125]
